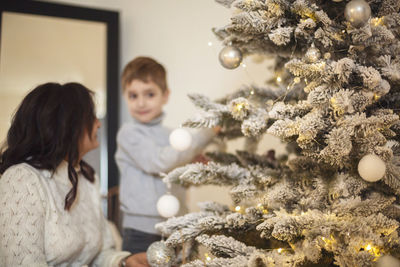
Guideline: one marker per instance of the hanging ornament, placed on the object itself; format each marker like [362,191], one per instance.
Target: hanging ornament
[313,54]
[180,139]
[168,205]
[230,57]
[371,168]
[357,12]
[160,255]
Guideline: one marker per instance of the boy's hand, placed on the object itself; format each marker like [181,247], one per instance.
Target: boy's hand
[137,260]
[217,129]
[200,158]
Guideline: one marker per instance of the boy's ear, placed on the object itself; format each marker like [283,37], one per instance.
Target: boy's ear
[166,96]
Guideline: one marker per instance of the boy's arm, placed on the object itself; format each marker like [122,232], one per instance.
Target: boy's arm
[150,157]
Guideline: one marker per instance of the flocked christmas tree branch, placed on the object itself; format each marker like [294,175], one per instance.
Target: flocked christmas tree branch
[336,96]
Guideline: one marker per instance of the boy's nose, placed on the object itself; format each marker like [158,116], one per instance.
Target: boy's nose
[141,101]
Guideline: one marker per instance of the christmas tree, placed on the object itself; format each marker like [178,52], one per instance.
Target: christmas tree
[334,201]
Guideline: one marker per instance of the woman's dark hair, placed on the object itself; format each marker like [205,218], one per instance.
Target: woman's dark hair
[47,129]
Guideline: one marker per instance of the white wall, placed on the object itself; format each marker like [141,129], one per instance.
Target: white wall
[177,33]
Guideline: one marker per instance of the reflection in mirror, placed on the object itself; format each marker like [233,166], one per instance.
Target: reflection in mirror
[40,48]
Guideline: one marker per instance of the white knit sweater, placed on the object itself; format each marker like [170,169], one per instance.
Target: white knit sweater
[36,230]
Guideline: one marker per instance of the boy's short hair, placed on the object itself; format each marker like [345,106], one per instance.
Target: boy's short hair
[144,69]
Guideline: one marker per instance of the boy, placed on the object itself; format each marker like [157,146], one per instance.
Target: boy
[144,151]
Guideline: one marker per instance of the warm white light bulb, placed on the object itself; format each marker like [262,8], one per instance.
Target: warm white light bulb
[239,106]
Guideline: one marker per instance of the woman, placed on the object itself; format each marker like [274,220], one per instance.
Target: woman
[50,211]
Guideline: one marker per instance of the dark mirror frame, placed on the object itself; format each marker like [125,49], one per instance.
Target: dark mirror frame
[111,19]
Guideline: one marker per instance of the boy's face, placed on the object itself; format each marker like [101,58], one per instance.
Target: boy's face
[145,100]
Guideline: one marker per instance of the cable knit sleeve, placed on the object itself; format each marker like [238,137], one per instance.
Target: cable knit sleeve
[22,215]
[108,256]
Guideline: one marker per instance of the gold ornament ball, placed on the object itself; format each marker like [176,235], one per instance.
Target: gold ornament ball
[371,168]
[357,12]
[313,54]
[230,57]
[159,255]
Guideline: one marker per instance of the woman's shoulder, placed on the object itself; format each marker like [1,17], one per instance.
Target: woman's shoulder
[21,190]
[18,172]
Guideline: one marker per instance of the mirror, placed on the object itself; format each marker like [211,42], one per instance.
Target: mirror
[45,42]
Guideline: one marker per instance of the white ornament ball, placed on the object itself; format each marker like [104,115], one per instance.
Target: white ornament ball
[230,57]
[167,206]
[371,168]
[160,255]
[388,261]
[180,139]
[357,12]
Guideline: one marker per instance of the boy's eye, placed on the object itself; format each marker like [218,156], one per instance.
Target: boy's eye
[151,94]
[132,96]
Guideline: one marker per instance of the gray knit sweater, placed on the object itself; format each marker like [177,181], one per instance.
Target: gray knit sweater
[143,151]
